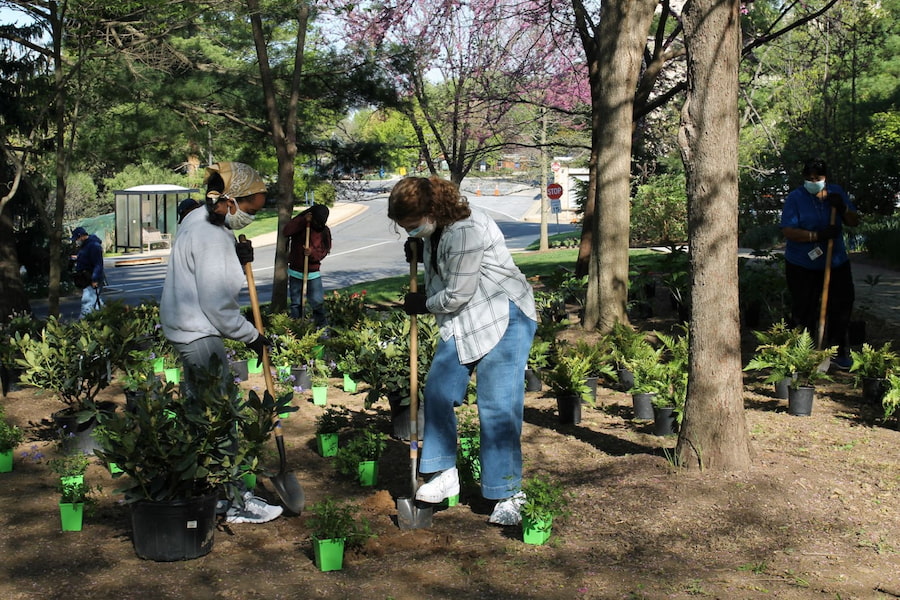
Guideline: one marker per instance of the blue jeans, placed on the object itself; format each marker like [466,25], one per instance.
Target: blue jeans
[90,300]
[315,299]
[501,402]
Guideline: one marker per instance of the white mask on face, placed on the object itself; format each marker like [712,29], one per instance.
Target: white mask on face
[424,230]
[239,219]
[814,187]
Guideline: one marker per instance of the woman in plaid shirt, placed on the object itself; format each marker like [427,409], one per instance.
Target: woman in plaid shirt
[485,309]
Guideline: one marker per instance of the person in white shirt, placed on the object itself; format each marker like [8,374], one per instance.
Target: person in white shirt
[199,304]
[485,310]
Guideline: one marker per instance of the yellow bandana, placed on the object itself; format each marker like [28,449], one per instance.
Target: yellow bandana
[240,179]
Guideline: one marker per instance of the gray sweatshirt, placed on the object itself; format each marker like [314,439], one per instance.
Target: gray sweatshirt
[203,280]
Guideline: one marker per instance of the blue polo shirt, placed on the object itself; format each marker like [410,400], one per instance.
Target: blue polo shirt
[802,210]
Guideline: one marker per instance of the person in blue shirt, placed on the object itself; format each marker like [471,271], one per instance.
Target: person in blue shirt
[807,228]
[89,261]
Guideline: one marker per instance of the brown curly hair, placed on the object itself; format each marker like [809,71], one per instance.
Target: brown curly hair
[428,197]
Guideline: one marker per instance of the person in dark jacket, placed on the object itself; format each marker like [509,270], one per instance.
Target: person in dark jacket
[313,219]
[90,261]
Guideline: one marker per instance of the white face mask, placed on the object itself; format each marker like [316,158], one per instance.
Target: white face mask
[814,187]
[424,230]
[239,219]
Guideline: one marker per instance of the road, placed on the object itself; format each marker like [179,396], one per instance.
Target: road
[366,248]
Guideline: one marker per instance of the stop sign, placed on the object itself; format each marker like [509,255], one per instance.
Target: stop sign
[554,191]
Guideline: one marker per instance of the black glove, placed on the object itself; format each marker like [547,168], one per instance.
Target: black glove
[420,249]
[258,344]
[414,303]
[829,233]
[837,202]
[244,252]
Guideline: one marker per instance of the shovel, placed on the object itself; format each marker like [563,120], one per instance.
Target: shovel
[412,514]
[305,269]
[285,482]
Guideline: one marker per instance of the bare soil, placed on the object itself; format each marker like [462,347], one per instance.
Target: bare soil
[816,517]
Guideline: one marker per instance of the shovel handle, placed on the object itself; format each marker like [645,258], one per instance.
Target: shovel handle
[826,282]
[413,362]
[257,320]
[305,269]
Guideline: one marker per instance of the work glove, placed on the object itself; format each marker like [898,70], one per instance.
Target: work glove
[408,246]
[837,202]
[244,250]
[414,303]
[258,344]
[828,233]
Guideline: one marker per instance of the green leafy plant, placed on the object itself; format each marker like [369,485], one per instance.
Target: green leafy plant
[333,419]
[367,444]
[69,465]
[545,498]
[74,361]
[331,520]
[869,361]
[293,341]
[468,457]
[319,371]
[651,374]
[77,492]
[236,351]
[173,447]
[891,400]
[10,435]
[539,354]
[345,309]
[796,356]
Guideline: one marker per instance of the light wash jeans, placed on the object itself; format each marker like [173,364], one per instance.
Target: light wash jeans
[501,402]
[315,299]
[91,300]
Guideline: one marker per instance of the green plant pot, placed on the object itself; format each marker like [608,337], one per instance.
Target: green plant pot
[450,501]
[6,461]
[71,515]
[536,532]
[114,468]
[327,444]
[349,384]
[329,554]
[320,395]
[318,351]
[368,473]
[159,365]
[172,375]
[254,366]
[249,480]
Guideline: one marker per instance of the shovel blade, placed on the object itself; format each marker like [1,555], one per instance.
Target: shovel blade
[413,514]
[289,491]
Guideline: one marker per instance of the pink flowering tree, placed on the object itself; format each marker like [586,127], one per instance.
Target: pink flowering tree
[465,74]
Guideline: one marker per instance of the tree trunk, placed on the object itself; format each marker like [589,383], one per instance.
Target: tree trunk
[714,431]
[13,298]
[284,136]
[621,39]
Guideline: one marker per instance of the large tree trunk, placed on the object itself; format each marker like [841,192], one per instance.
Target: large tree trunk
[284,136]
[13,298]
[622,37]
[714,431]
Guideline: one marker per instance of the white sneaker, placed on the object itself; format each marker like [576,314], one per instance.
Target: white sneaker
[441,486]
[255,510]
[507,512]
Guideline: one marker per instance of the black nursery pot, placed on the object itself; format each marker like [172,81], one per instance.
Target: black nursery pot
[175,529]
[569,408]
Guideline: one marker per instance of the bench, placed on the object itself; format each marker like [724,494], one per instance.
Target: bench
[155,236]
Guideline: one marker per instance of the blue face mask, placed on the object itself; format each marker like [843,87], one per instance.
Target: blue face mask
[814,187]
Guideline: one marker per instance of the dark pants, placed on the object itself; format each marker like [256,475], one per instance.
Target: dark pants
[805,287]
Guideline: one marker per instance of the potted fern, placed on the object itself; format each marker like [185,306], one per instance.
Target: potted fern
[568,380]
[872,367]
[10,437]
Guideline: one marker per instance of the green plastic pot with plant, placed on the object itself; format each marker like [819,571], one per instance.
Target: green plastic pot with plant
[336,527]
[569,373]
[329,425]
[545,500]
[172,447]
[797,358]
[10,437]
[365,446]
[468,457]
